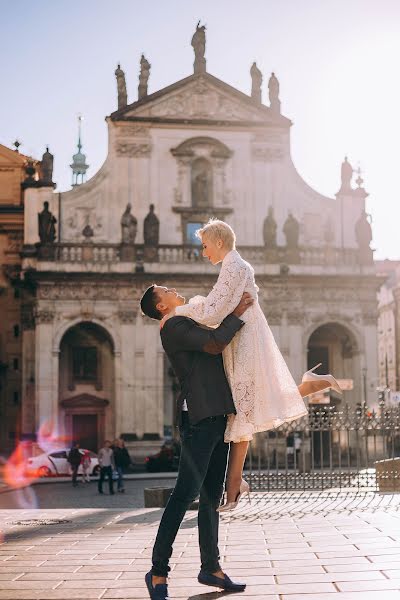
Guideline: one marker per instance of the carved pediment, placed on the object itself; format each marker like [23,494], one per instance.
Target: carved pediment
[83,401]
[201,97]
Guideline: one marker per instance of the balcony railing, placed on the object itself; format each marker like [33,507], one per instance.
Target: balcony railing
[178,254]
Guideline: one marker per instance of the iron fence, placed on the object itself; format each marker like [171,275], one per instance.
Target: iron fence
[330,448]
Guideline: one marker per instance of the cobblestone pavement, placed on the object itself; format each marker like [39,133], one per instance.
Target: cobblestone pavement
[286,546]
[62,495]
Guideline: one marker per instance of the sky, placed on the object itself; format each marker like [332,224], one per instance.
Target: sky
[337,61]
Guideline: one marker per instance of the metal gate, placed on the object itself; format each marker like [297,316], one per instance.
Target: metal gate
[330,448]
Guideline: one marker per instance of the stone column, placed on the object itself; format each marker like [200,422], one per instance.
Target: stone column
[125,415]
[28,419]
[371,361]
[152,380]
[297,354]
[46,370]
[118,394]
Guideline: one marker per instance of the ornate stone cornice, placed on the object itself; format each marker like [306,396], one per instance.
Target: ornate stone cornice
[133,149]
[274,317]
[295,318]
[265,154]
[127,316]
[44,316]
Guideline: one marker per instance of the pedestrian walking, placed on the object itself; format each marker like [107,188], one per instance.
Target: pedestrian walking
[107,464]
[74,459]
[86,462]
[122,461]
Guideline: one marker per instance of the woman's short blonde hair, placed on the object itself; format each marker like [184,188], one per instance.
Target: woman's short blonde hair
[218,230]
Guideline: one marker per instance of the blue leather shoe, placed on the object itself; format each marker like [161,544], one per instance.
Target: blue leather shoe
[156,592]
[225,584]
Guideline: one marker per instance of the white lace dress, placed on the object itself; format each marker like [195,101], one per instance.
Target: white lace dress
[263,390]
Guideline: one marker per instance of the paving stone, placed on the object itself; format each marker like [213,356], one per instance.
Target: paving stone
[341,596]
[356,586]
[330,577]
[286,552]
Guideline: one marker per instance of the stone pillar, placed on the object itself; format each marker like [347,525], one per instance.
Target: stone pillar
[46,370]
[371,363]
[152,380]
[297,354]
[117,423]
[125,413]
[28,418]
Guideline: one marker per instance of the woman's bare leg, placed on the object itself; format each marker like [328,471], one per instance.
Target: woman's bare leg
[237,456]
[238,450]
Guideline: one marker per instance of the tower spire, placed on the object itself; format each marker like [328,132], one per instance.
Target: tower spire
[79,166]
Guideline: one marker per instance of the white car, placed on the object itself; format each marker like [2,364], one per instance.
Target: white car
[56,463]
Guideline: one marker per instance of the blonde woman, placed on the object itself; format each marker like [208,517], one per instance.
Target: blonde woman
[264,392]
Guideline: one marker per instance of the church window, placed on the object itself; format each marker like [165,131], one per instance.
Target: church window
[191,229]
[15,364]
[16,397]
[16,331]
[84,363]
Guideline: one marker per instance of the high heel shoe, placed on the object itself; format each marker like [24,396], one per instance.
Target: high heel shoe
[244,489]
[329,379]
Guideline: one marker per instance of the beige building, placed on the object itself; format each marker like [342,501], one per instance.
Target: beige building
[195,149]
[389,325]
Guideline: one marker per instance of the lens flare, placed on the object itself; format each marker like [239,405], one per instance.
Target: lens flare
[16,471]
[50,439]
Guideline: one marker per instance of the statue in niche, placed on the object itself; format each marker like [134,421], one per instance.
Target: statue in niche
[346,174]
[291,230]
[199,47]
[47,228]
[270,228]
[87,232]
[128,226]
[151,228]
[46,167]
[256,82]
[363,232]
[144,75]
[121,87]
[201,182]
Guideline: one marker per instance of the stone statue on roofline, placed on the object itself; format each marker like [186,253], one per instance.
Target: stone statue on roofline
[144,75]
[291,230]
[273,89]
[256,82]
[363,232]
[199,47]
[46,167]
[128,226]
[121,88]
[151,228]
[270,228]
[46,223]
[346,174]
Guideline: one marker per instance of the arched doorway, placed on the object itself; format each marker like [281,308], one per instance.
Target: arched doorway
[86,384]
[335,346]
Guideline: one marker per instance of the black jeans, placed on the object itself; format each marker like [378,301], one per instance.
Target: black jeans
[74,469]
[202,468]
[106,471]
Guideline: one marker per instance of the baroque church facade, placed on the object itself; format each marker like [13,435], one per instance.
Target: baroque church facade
[93,366]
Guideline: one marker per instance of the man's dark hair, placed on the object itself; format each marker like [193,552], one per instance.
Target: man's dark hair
[148,303]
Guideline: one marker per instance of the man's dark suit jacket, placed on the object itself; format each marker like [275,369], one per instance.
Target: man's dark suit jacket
[195,356]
